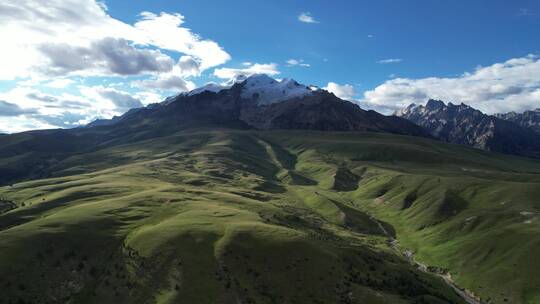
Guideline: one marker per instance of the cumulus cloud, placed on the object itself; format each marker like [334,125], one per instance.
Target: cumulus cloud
[22,123]
[45,44]
[60,36]
[11,109]
[53,102]
[188,66]
[121,100]
[256,68]
[345,91]
[175,80]
[298,62]
[149,97]
[513,85]
[108,56]
[165,31]
[172,82]
[36,109]
[306,18]
[42,97]
[390,60]
[59,83]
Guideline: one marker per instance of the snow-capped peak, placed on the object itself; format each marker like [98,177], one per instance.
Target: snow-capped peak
[407,110]
[236,79]
[266,90]
[211,87]
[262,88]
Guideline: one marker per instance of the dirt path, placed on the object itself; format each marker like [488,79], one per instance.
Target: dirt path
[447,278]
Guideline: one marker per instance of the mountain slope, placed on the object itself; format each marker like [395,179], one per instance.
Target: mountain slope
[527,119]
[221,216]
[261,102]
[215,197]
[324,111]
[202,215]
[32,154]
[461,124]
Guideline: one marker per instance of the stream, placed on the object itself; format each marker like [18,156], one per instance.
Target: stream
[466,295]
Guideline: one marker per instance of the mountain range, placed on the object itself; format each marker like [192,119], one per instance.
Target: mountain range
[527,119]
[462,124]
[267,191]
[263,103]
[258,102]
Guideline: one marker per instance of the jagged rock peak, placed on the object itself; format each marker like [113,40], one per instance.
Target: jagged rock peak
[434,104]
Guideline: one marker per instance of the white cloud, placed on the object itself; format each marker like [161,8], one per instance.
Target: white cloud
[167,82]
[306,18]
[176,79]
[11,109]
[122,100]
[165,31]
[513,85]
[45,43]
[188,66]
[297,62]
[345,91]
[371,36]
[22,123]
[41,110]
[110,100]
[149,97]
[108,56]
[68,35]
[59,83]
[390,60]
[256,68]
[524,12]
[293,62]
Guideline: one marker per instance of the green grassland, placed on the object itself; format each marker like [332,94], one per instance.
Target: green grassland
[229,216]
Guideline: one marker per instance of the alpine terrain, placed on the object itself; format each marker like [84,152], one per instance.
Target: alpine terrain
[462,124]
[267,191]
[527,119]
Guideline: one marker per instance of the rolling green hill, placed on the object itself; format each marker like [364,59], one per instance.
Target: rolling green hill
[242,216]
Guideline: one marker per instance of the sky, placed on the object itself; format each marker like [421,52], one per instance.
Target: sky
[64,63]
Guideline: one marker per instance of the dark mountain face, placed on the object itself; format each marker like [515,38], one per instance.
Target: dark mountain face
[465,125]
[527,119]
[294,109]
[255,103]
[324,111]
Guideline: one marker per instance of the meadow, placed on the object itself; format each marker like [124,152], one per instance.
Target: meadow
[232,216]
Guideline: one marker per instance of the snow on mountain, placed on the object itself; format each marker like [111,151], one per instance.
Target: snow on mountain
[211,87]
[462,124]
[261,88]
[266,90]
[235,80]
[527,119]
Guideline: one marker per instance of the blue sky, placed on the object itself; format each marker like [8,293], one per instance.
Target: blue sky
[433,38]
[100,59]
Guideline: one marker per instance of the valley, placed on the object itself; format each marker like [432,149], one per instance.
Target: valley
[269,152]
[226,215]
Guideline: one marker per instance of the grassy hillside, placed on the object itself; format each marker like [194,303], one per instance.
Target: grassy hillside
[223,216]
